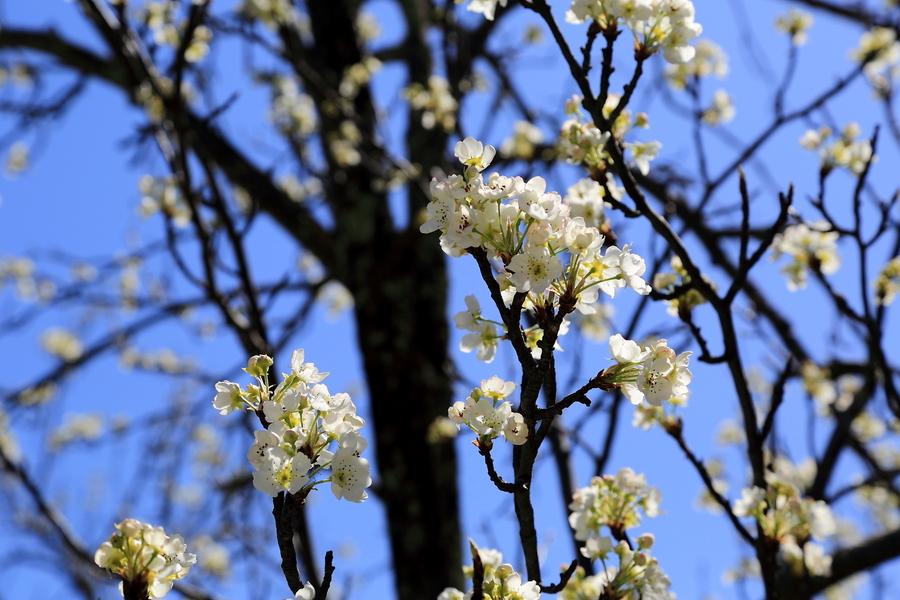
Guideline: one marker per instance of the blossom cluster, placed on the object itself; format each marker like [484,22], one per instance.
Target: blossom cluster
[666,283]
[145,557]
[76,427]
[163,360]
[523,141]
[845,151]
[500,582]
[795,23]
[435,101]
[488,415]
[720,110]
[309,431]
[879,51]
[162,195]
[666,25]
[488,8]
[783,514]
[830,395]
[160,19]
[581,142]
[709,60]
[616,502]
[212,556]
[887,284]
[271,13]
[637,575]
[652,372]
[807,245]
[545,252]
[484,335]
[62,344]
[20,272]
[17,159]
[292,111]
[355,77]
[9,447]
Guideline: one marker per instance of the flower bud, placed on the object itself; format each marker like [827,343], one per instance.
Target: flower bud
[258,366]
[645,541]
[504,571]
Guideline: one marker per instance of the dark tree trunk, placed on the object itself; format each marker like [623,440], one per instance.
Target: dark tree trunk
[402,329]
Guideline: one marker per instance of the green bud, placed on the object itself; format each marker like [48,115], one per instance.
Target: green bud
[258,366]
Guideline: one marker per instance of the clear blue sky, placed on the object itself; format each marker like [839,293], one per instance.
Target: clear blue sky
[81,196]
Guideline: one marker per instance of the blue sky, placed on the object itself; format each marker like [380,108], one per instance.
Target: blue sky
[81,196]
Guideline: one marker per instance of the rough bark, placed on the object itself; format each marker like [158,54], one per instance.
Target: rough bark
[401,325]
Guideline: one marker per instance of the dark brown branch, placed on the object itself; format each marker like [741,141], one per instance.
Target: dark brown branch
[504,486]
[564,577]
[675,432]
[850,561]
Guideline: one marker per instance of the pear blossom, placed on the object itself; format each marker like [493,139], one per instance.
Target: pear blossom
[783,513]
[75,428]
[795,23]
[809,558]
[228,397]
[304,421]
[485,7]
[585,201]
[17,159]
[807,245]
[488,415]
[666,25]
[468,319]
[552,251]
[9,447]
[846,151]
[349,471]
[145,557]
[879,52]
[582,142]
[500,581]
[642,153]
[628,266]
[651,372]
[709,61]
[473,153]
[307,592]
[523,141]
[686,300]
[615,501]
[887,284]
[62,344]
[720,110]
[280,472]
[634,574]
[533,270]
[536,203]
[435,101]
[484,341]
[515,429]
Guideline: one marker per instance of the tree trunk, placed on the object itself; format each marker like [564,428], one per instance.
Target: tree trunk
[402,328]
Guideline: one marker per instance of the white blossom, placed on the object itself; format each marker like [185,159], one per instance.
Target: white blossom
[303,420]
[795,23]
[138,552]
[807,245]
